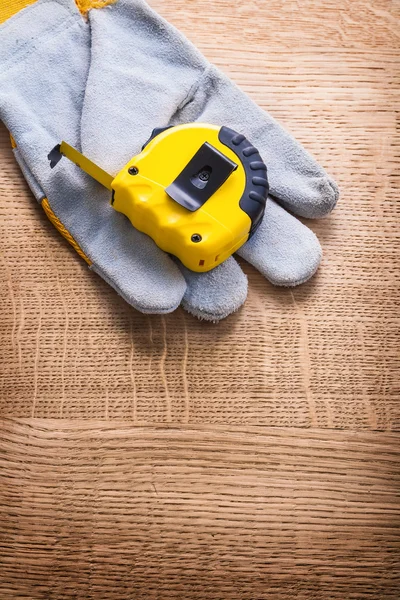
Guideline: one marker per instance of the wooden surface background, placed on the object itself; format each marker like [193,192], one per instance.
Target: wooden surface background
[161,457]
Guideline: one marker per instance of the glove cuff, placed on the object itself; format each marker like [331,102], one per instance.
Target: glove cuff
[26,31]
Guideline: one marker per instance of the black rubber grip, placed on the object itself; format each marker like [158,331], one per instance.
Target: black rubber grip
[255,193]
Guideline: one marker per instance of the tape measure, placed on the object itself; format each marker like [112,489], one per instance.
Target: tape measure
[198,190]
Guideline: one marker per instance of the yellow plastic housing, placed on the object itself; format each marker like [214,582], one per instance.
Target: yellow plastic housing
[223,226]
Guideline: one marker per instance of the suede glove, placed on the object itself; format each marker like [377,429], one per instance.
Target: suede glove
[103,84]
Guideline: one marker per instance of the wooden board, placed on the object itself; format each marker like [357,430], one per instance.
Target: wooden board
[270,437]
[101,510]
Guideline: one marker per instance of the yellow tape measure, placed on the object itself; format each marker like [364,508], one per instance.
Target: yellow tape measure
[197,190]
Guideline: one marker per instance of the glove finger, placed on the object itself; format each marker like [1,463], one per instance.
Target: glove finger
[127,37]
[142,69]
[299,183]
[214,295]
[44,61]
[125,258]
[161,79]
[135,267]
[284,250]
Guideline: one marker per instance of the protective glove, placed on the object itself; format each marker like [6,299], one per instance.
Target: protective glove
[103,86]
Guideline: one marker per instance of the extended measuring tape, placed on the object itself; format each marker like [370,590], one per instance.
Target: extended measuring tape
[199,191]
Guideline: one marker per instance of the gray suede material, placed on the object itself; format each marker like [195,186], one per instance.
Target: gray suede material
[103,86]
[31,181]
[141,72]
[295,178]
[210,295]
[44,65]
[284,250]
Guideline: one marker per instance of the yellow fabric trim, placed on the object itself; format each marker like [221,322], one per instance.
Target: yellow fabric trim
[85,5]
[57,223]
[8,8]
[64,232]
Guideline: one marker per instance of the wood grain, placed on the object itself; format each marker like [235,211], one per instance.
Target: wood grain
[162,457]
[324,354]
[116,511]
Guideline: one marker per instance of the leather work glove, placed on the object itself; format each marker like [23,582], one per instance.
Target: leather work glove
[103,84]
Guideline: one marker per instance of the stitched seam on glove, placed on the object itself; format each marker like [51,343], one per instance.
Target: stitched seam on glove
[83,6]
[192,92]
[64,232]
[56,221]
[23,51]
